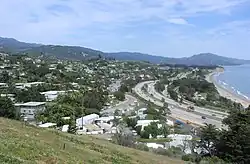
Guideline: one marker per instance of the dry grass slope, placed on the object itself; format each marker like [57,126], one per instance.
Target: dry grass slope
[26,144]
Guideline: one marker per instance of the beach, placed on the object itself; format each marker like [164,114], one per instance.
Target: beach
[226,92]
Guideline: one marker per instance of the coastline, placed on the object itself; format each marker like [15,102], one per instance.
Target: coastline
[226,92]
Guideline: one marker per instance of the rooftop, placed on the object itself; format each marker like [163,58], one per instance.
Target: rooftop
[30,104]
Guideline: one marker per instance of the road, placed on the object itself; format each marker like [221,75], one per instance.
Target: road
[122,105]
[200,110]
[177,111]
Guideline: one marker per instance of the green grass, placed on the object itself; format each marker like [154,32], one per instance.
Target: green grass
[26,144]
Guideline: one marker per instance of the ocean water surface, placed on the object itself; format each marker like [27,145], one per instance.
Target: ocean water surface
[236,79]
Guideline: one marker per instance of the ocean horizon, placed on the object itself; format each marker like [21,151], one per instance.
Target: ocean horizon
[236,79]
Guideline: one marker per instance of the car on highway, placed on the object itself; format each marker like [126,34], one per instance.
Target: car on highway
[203,117]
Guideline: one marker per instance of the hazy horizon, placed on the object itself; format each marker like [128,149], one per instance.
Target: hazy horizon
[162,28]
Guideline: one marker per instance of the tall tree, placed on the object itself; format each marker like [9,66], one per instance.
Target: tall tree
[234,144]
[208,138]
[7,108]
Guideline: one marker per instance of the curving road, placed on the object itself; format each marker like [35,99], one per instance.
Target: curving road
[122,105]
[177,111]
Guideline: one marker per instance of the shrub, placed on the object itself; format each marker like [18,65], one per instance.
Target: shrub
[142,147]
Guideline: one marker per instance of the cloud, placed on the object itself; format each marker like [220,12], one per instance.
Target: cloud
[179,21]
[112,24]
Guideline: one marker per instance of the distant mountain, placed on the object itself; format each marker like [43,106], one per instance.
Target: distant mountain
[64,52]
[82,53]
[14,45]
[205,59]
[61,52]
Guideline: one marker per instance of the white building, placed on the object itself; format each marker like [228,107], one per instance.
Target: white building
[10,96]
[144,123]
[24,85]
[65,128]
[3,85]
[47,125]
[89,119]
[179,140]
[154,145]
[52,95]
[29,109]
[170,122]
[105,119]
[141,111]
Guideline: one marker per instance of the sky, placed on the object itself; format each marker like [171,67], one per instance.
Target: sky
[173,28]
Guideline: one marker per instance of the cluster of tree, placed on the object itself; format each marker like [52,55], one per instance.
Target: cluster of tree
[188,86]
[153,130]
[7,108]
[159,87]
[233,144]
[73,105]
[172,93]
[29,94]
[5,77]
[218,101]
[119,95]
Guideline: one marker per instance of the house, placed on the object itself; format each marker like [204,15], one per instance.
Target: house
[24,85]
[3,85]
[140,113]
[47,125]
[29,109]
[65,128]
[52,95]
[90,129]
[10,96]
[179,140]
[89,119]
[170,122]
[154,145]
[105,119]
[144,123]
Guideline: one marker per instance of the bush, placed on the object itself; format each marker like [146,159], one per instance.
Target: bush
[188,157]
[163,151]
[142,147]
[212,160]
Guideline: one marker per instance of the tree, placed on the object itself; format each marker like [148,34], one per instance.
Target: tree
[234,143]
[5,77]
[165,130]
[7,108]
[119,95]
[131,122]
[208,138]
[124,137]
[152,129]
[29,94]
[72,126]
[144,134]
[138,129]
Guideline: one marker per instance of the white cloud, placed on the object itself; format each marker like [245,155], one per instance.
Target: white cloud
[88,22]
[179,21]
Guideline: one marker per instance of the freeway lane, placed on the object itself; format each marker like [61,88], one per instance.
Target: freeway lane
[176,112]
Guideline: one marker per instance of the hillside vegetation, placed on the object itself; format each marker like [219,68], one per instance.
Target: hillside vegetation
[27,144]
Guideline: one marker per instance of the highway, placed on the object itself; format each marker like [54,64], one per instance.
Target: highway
[177,111]
[200,110]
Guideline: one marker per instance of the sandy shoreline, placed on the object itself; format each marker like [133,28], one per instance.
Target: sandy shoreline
[227,93]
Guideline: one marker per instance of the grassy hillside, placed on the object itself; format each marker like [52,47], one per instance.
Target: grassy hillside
[26,144]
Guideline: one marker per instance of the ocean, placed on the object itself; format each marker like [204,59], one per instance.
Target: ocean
[236,79]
